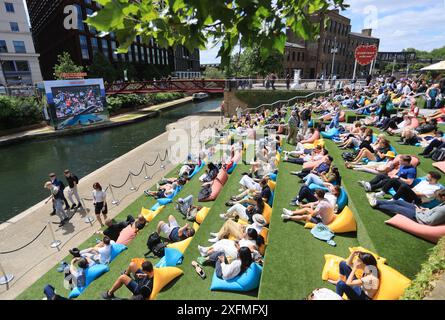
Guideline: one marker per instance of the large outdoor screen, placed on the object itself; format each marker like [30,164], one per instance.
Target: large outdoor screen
[75,103]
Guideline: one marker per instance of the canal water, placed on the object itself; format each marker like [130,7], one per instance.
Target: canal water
[24,167]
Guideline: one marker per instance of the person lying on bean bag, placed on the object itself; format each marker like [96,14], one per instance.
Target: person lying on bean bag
[425,216]
[138,281]
[294,157]
[227,271]
[114,228]
[130,232]
[238,210]
[310,196]
[231,228]
[250,195]
[364,288]
[166,190]
[173,231]
[100,253]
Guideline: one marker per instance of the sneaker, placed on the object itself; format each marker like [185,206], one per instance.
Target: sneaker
[372,199]
[146,193]
[79,205]
[73,206]
[202,251]
[62,266]
[52,213]
[214,240]
[107,296]
[287,212]
[295,203]
[380,194]
[214,234]
[285,217]
[362,183]
[295,173]
[223,216]
[367,187]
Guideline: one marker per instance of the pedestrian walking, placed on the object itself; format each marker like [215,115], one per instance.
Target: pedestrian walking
[61,187]
[100,202]
[57,202]
[288,81]
[73,181]
[293,124]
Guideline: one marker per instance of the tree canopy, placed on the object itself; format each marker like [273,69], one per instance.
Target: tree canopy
[438,53]
[229,22]
[65,65]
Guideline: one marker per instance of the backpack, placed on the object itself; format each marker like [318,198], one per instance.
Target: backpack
[191,215]
[205,193]
[155,245]
[348,156]
[438,155]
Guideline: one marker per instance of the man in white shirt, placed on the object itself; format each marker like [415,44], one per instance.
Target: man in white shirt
[101,253]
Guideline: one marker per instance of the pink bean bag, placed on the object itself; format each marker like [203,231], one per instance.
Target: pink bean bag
[414,123]
[430,233]
[313,164]
[216,189]
[440,165]
[222,176]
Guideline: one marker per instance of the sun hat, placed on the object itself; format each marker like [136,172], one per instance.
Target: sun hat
[390,154]
[259,219]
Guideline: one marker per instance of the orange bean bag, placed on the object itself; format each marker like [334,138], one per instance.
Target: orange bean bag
[216,189]
[267,213]
[430,233]
[440,165]
[265,234]
[222,176]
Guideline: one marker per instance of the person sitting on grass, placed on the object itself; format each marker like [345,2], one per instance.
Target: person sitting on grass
[364,288]
[323,211]
[314,135]
[423,192]
[100,253]
[238,210]
[378,167]
[130,232]
[429,217]
[138,281]
[173,231]
[324,167]
[232,228]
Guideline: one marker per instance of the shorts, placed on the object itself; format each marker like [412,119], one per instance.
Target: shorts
[98,208]
[316,220]
[133,286]
[167,228]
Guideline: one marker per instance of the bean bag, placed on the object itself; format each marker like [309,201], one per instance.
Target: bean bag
[319,142]
[310,124]
[216,189]
[273,177]
[344,222]
[376,256]
[171,258]
[272,185]
[202,214]
[342,200]
[181,246]
[149,215]
[162,276]
[267,212]
[277,159]
[440,165]
[222,176]
[314,186]
[116,249]
[197,169]
[232,168]
[91,274]
[248,281]
[272,196]
[330,134]
[265,234]
[433,203]
[430,233]
[312,164]
[392,283]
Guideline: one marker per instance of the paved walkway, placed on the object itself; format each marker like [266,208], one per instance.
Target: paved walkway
[119,119]
[28,264]
[438,292]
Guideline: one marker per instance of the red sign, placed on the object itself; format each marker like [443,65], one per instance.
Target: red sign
[365,54]
[79,75]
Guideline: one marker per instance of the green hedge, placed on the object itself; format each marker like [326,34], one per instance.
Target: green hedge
[115,103]
[255,98]
[19,111]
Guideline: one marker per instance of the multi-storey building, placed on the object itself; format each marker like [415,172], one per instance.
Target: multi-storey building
[52,38]
[19,64]
[336,39]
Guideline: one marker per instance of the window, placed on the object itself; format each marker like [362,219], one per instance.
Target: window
[19,46]
[136,53]
[87,1]
[22,66]
[92,29]
[9,7]
[3,47]
[94,46]
[14,26]
[80,24]
[130,53]
[8,66]
[84,47]
[114,48]
[105,48]
[293,56]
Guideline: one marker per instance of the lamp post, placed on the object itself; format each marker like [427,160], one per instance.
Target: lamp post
[334,50]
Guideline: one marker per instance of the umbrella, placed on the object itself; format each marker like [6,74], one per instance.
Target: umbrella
[437,66]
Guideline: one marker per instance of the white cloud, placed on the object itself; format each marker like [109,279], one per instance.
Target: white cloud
[209,55]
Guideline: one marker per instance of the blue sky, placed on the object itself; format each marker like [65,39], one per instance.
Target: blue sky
[398,23]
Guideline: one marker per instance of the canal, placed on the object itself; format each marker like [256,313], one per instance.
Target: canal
[25,166]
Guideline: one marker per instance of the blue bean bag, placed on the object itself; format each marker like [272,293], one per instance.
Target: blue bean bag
[248,281]
[330,134]
[342,200]
[232,168]
[91,273]
[197,169]
[314,186]
[171,258]
[168,199]
[155,207]
[273,177]
[310,124]
[116,249]
[429,205]
[270,202]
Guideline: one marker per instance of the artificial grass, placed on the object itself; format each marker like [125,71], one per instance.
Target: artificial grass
[294,258]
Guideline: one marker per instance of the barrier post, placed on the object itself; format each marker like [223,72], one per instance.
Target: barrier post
[132,188]
[55,243]
[5,278]
[115,201]
[89,219]
[147,177]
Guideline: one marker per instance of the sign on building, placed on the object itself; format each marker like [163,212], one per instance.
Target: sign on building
[365,54]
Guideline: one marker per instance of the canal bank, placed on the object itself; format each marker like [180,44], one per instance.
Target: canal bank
[25,166]
[29,263]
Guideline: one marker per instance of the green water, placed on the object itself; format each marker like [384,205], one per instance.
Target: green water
[24,167]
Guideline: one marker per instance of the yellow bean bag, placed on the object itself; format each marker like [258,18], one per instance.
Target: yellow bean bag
[161,278]
[343,222]
[277,159]
[319,142]
[376,256]
[272,185]
[265,234]
[183,245]
[150,215]
[202,214]
[392,283]
[267,213]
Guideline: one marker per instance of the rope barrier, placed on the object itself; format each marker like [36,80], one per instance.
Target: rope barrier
[26,245]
